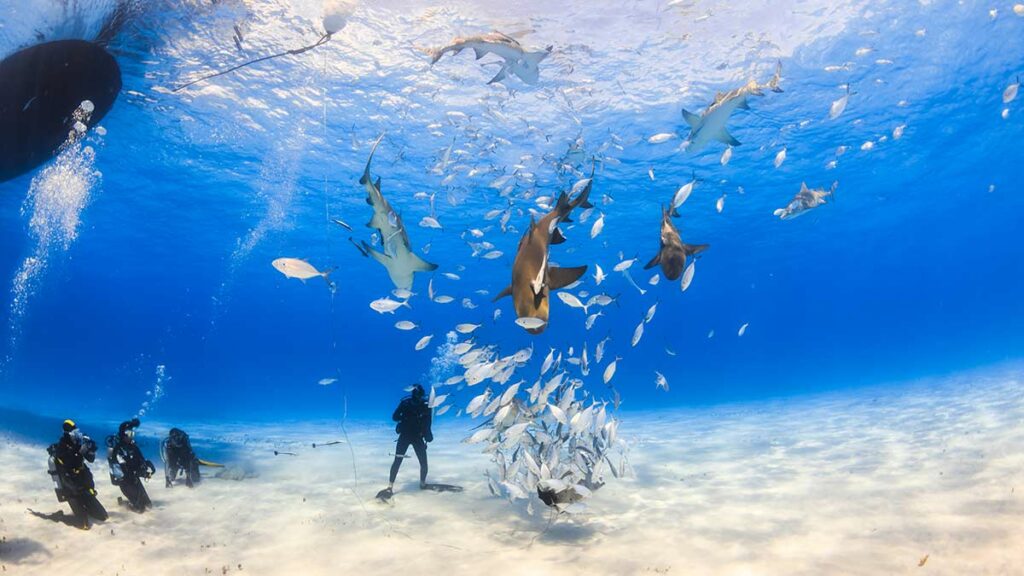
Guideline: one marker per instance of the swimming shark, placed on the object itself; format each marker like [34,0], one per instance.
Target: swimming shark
[806,199]
[397,258]
[711,124]
[523,64]
[673,251]
[533,278]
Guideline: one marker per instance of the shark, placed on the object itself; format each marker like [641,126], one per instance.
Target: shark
[519,62]
[673,252]
[711,125]
[806,199]
[397,258]
[533,277]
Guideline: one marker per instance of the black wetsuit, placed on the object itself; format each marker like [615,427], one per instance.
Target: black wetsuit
[76,485]
[126,458]
[413,428]
[179,457]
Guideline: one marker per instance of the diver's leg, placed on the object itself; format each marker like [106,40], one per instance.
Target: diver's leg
[144,496]
[421,454]
[400,449]
[93,506]
[131,487]
[80,512]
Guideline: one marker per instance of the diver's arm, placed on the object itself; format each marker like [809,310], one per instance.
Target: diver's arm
[397,416]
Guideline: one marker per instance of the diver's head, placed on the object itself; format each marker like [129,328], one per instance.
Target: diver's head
[127,430]
[73,433]
[417,392]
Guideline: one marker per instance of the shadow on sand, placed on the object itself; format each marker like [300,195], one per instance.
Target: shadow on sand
[17,550]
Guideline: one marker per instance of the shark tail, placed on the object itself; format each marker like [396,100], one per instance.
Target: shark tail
[365,178]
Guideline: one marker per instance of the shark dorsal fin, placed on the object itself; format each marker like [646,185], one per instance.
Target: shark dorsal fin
[803,186]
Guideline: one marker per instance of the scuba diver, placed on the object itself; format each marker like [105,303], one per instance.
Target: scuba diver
[72,479]
[128,466]
[413,417]
[178,456]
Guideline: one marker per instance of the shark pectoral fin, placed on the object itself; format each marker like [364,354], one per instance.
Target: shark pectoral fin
[358,247]
[654,261]
[694,249]
[557,237]
[727,138]
[480,53]
[562,277]
[421,265]
[378,256]
[501,75]
[506,292]
[692,119]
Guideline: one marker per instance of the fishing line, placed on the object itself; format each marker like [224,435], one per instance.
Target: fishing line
[296,51]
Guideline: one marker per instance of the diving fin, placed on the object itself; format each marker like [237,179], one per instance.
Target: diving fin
[562,277]
[208,463]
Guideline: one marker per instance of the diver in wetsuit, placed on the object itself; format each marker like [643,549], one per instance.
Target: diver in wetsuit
[128,466]
[178,456]
[72,478]
[413,417]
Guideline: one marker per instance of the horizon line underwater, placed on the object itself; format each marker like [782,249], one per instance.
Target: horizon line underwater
[684,286]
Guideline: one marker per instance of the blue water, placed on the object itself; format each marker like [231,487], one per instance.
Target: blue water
[915,269]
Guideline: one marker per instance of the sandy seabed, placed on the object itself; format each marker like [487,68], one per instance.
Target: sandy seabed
[863,482]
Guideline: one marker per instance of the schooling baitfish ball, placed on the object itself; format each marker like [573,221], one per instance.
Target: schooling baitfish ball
[42,87]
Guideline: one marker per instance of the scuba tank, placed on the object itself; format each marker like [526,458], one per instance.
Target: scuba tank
[51,468]
[116,474]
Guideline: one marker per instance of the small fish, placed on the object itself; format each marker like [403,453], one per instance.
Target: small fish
[296,268]
[405,325]
[593,318]
[451,276]
[530,323]
[661,137]
[468,304]
[342,223]
[402,293]
[650,313]
[599,349]
[624,265]
[780,157]
[687,276]
[497,314]
[670,351]
[443,409]
[430,222]
[681,195]
[326,381]
[609,371]
[597,227]
[720,204]
[660,381]
[599,275]
[571,300]
[839,105]
[1011,91]
[466,328]
[423,342]
[387,305]
[711,334]
[443,299]
[869,145]
[897,132]
[726,156]
[638,333]
[650,172]
[654,279]
[493,254]
[743,329]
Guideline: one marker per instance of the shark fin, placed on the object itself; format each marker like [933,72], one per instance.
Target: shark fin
[479,52]
[421,265]
[557,237]
[562,277]
[692,119]
[500,75]
[743,105]
[727,138]
[377,184]
[378,256]
[536,57]
[803,186]
[358,247]
[506,292]
[366,171]
[694,249]
[654,261]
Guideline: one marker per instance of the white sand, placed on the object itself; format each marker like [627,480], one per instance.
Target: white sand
[858,483]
